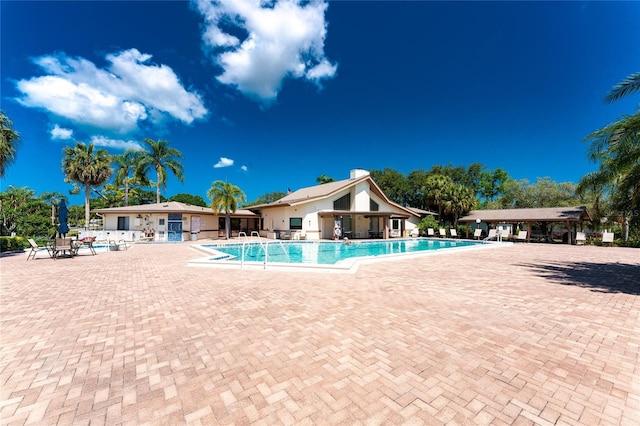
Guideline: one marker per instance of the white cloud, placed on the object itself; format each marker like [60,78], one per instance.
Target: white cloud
[244,168]
[115,143]
[285,38]
[116,99]
[60,133]
[224,162]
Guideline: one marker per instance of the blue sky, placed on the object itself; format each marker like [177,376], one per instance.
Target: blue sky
[271,97]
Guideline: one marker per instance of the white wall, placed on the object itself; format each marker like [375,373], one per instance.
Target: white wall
[208,226]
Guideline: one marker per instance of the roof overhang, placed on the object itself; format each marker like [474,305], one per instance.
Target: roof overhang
[337,213]
[547,214]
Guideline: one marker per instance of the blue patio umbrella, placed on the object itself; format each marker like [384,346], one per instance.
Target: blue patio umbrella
[63,216]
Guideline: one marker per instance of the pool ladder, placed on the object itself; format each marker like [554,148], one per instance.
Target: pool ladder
[264,245]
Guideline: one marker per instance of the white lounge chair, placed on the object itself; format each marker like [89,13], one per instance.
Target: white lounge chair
[493,235]
[415,232]
[607,237]
[453,233]
[581,238]
[443,233]
[522,236]
[477,233]
[430,232]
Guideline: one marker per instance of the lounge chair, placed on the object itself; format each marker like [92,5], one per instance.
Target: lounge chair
[430,232]
[477,233]
[581,238]
[607,238]
[522,236]
[35,248]
[443,233]
[453,233]
[415,232]
[493,235]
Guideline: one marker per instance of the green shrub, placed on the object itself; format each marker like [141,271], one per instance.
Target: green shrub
[428,222]
[12,244]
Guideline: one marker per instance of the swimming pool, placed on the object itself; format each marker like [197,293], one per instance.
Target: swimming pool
[325,254]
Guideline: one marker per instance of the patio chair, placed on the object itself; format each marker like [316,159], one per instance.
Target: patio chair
[453,232]
[493,235]
[522,236]
[477,233]
[581,238]
[442,232]
[607,238]
[415,232]
[35,248]
[61,246]
[430,232]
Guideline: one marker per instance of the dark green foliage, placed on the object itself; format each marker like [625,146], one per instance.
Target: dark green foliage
[267,198]
[194,200]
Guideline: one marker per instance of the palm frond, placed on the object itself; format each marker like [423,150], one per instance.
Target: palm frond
[627,86]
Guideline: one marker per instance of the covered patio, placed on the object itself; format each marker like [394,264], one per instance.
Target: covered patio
[364,224]
[572,217]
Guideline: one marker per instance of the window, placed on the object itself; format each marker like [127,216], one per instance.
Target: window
[395,224]
[295,223]
[123,223]
[161,222]
[343,203]
[373,206]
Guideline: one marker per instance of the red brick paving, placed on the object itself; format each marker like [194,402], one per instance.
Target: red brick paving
[525,334]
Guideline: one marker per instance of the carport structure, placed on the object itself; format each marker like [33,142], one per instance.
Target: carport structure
[569,216]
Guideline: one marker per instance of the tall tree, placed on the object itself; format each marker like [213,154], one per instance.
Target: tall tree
[616,148]
[158,155]
[87,167]
[457,199]
[8,142]
[435,188]
[267,198]
[393,184]
[125,164]
[324,179]
[194,200]
[225,197]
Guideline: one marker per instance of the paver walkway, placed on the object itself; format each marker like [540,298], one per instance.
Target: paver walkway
[527,334]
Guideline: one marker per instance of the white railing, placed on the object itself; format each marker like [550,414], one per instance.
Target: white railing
[248,244]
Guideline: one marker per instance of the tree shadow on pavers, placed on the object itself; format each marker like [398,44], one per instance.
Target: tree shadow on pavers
[602,277]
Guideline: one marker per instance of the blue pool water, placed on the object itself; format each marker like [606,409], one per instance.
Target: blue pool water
[326,252]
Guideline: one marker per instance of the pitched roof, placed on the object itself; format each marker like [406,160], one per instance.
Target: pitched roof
[421,212]
[312,193]
[325,190]
[168,207]
[546,214]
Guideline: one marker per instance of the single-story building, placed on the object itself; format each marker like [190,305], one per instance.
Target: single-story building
[505,219]
[351,208]
[170,221]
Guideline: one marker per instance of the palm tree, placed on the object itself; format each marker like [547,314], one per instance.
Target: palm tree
[89,168]
[435,187]
[125,163]
[457,200]
[8,141]
[159,156]
[227,197]
[616,148]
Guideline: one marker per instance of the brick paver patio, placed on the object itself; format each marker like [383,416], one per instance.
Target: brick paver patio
[526,334]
